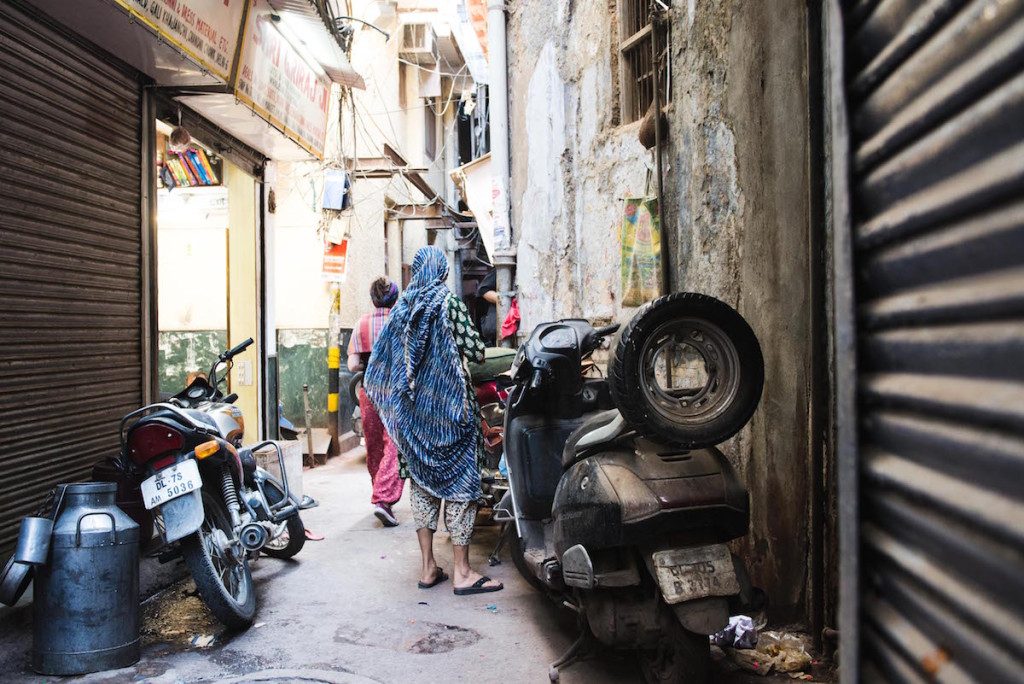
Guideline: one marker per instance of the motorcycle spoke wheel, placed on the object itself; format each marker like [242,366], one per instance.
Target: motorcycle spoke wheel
[221,576]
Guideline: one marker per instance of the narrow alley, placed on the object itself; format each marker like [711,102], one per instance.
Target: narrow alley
[347,610]
[717,307]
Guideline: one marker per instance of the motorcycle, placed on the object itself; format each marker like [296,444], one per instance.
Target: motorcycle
[209,500]
[620,506]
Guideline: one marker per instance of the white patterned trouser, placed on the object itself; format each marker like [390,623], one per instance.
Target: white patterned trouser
[458,515]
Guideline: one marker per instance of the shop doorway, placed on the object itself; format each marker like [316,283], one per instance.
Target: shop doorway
[207,271]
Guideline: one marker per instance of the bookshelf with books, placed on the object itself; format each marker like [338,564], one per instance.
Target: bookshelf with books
[192,168]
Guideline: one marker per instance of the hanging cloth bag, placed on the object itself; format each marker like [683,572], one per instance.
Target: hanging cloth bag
[641,248]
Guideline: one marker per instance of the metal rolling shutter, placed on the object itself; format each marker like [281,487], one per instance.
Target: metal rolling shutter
[70,258]
[936,110]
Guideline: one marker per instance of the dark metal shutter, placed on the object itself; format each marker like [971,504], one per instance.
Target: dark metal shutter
[936,111]
[70,259]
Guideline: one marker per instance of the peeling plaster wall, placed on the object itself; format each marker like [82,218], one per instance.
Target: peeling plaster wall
[736,208]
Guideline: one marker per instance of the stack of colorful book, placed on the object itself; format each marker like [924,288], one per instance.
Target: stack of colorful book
[190,168]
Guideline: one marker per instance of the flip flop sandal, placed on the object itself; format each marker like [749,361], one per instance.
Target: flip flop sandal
[314,536]
[479,588]
[439,576]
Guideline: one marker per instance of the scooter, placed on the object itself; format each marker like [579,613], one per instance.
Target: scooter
[620,506]
[210,501]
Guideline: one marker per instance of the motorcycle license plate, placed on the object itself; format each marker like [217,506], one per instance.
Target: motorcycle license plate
[170,483]
[688,574]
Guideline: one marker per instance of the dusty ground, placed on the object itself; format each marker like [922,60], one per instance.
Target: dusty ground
[347,609]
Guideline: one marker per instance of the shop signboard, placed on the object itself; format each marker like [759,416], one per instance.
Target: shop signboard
[335,260]
[205,30]
[275,81]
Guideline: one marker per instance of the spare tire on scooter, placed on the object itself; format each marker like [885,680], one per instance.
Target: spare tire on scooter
[687,370]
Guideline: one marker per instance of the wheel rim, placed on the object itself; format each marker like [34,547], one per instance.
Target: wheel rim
[228,563]
[278,543]
[689,371]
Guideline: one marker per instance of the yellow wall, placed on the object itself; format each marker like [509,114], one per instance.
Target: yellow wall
[243,292]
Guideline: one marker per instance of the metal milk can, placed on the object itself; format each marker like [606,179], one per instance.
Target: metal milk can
[86,600]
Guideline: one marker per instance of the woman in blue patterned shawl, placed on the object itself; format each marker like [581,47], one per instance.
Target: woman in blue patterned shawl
[417,380]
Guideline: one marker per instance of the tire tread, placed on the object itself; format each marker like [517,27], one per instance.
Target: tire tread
[635,410]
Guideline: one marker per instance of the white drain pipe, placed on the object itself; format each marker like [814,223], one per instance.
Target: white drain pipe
[497,69]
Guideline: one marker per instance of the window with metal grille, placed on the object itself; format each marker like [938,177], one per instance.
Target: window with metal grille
[636,61]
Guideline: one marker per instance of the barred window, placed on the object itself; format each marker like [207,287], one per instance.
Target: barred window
[636,62]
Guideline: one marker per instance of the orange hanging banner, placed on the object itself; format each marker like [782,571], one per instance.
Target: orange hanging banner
[335,260]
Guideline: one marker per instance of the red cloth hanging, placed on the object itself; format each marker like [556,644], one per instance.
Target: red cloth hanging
[511,323]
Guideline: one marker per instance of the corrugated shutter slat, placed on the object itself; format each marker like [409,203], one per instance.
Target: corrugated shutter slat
[70,259]
[936,97]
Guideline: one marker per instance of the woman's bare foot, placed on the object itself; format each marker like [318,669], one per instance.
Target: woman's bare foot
[467,580]
[429,573]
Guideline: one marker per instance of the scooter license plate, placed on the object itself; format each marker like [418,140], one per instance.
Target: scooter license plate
[170,483]
[688,574]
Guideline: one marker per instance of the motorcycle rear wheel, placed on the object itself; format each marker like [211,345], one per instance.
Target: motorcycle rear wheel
[224,583]
[294,537]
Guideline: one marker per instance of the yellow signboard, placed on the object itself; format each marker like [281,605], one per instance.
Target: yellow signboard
[205,30]
[279,85]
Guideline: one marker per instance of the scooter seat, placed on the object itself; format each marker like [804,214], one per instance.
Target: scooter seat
[597,430]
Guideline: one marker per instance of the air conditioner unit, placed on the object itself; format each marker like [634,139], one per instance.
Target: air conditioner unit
[419,44]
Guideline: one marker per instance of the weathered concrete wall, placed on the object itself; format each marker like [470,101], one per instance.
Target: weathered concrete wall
[736,209]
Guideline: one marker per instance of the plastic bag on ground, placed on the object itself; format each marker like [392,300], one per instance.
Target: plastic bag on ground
[789,652]
[740,633]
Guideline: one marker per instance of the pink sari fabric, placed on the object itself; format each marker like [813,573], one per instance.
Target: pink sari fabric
[381,455]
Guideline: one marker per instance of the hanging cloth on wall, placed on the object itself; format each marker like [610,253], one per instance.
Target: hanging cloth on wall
[641,248]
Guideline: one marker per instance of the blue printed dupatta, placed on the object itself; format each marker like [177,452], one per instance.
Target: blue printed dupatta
[415,381]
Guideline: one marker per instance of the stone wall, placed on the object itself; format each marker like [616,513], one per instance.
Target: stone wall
[736,208]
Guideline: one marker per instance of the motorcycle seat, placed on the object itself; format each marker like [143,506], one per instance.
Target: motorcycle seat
[168,416]
[597,430]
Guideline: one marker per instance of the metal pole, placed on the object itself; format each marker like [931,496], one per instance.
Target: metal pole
[333,365]
[309,425]
[656,21]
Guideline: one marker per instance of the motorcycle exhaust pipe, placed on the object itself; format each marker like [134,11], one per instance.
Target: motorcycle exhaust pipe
[253,537]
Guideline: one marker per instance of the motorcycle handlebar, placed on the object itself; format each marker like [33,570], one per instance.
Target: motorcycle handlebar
[607,330]
[237,350]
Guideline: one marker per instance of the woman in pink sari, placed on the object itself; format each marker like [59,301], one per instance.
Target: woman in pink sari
[381,454]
